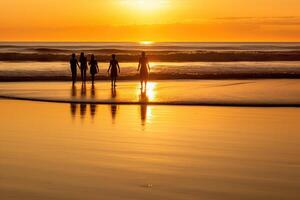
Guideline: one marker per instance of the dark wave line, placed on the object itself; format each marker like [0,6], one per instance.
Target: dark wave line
[167,56]
[175,103]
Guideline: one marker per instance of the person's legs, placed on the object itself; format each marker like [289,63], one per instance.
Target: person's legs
[73,81]
[81,74]
[84,75]
[93,78]
[74,76]
[115,80]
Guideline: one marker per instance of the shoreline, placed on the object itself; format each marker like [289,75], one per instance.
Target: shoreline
[233,105]
[157,77]
[225,93]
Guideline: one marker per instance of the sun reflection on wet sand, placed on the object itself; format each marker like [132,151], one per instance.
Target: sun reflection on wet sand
[146,96]
[149,92]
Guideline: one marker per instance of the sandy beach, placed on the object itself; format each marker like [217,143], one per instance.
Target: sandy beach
[150,100]
[48,151]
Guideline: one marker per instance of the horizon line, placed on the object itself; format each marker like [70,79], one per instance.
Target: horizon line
[28,41]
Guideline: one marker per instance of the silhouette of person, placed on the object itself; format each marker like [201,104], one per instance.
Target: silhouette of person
[144,69]
[73,106]
[83,66]
[144,106]
[93,106]
[94,69]
[113,69]
[73,66]
[83,105]
[113,107]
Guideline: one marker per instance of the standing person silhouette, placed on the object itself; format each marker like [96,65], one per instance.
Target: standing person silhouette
[144,69]
[73,66]
[83,66]
[94,69]
[113,69]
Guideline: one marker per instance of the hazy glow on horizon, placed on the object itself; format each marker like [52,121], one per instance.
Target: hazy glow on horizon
[150,20]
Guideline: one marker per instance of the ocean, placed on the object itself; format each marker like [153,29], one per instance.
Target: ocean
[49,61]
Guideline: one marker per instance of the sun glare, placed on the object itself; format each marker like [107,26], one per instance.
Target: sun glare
[151,91]
[144,5]
[146,43]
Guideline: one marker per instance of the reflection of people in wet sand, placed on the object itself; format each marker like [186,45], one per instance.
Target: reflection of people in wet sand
[144,69]
[113,110]
[73,66]
[83,105]
[94,69]
[114,68]
[93,106]
[113,107]
[113,93]
[73,106]
[83,66]
[143,101]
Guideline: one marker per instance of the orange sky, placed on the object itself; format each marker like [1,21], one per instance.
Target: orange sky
[150,20]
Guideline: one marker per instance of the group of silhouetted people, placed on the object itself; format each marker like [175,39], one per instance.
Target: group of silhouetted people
[83,66]
[113,69]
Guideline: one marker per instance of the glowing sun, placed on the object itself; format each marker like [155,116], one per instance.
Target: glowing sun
[146,4]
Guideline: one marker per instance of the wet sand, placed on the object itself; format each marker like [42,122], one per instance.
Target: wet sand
[88,151]
[274,92]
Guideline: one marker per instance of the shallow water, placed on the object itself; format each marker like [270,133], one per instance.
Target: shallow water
[274,92]
[70,151]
